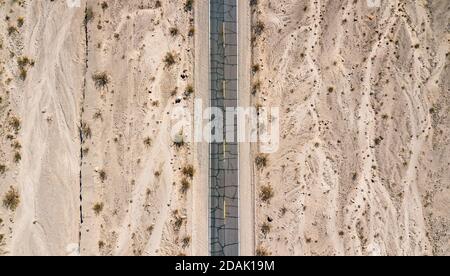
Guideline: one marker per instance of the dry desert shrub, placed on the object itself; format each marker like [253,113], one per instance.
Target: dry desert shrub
[169,59]
[189,171]
[262,251]
[188,5]
[104,5]
[191,32]
[102,175]
[256,87]
[150,229]
[177,222]
[20,21]
[185,185]
[283,211]
[14,122]
[2,169]
[17,157]
[259,28]
[186,242]
[253,3]
[98,208]
[12,30]
[256,68]
[85,131]
[23,74]
[101,80]
[98,115]
[266,193]
[174,31]
[16,145]
[261,161]
[189,90]
[11,200]
[148,142]
[179,141]
[265,228]
[23,63]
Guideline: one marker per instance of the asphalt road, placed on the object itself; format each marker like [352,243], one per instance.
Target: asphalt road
[224,161]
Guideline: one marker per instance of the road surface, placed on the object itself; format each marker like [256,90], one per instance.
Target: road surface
[224,159]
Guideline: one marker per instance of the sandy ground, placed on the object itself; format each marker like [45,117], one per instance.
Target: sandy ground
[200,212]
[246,173]
[87,165]
[362,167]
[141,187]
[98,172]
[40,151]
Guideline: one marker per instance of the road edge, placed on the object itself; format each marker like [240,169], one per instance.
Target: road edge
[246,187]
[200,229]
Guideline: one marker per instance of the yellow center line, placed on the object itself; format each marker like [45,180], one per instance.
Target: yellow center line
[223,34]
[224,150]
[224,88]
[225,210]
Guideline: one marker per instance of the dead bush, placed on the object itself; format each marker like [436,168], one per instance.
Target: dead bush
[11,200]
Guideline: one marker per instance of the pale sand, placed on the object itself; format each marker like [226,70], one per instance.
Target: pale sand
[246,175]
[140,193]
[362,167]
[47,103]
[138,216]
[200,230]
[345,190]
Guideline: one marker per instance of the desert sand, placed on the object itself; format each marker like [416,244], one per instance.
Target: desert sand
[85,146]
[363,162]
[87,93]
